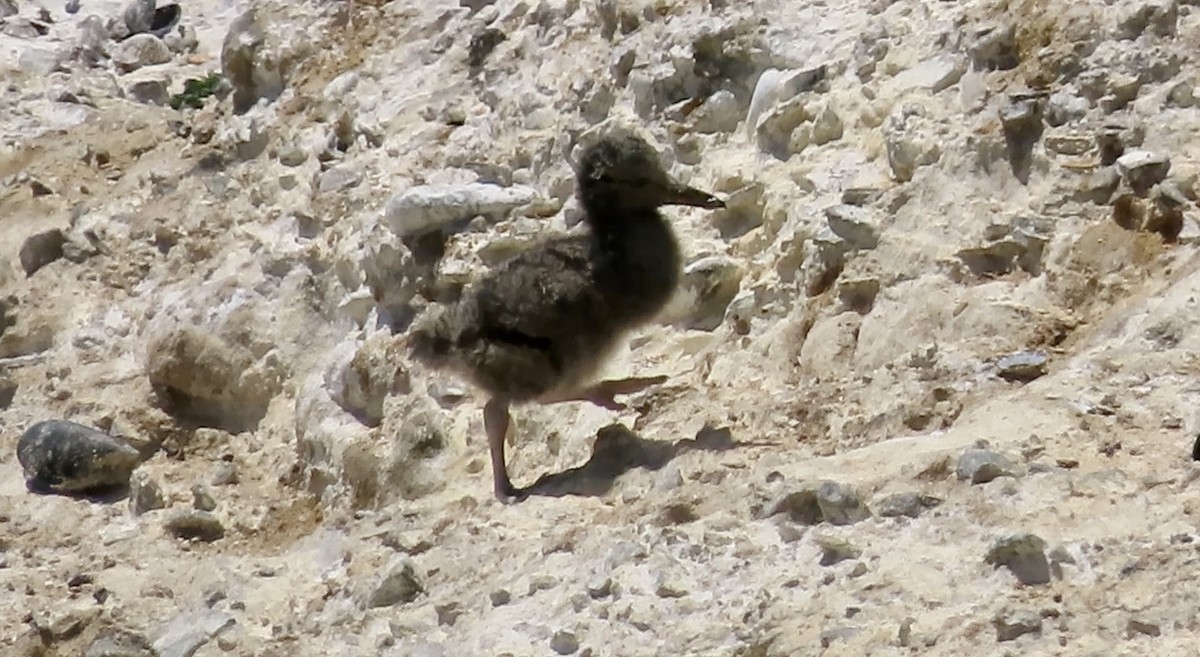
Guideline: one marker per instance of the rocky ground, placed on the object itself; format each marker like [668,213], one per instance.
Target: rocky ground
[932,373]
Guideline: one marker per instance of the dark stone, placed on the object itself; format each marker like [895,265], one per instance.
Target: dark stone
[69,457]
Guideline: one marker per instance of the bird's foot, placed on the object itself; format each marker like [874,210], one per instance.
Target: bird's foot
[506,493]
[604,394]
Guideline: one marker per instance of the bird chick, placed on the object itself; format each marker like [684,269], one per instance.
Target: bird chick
[538,327]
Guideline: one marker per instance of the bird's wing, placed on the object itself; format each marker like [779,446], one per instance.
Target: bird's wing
[541,295]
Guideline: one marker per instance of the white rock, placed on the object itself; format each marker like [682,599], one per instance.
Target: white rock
[341,86]
[140,50]
[427,207]
[719,113]
[185,634]
[774,85]
[910,144]
[853,224]
[151,90]
[40,61]
[934,74]
[827,126]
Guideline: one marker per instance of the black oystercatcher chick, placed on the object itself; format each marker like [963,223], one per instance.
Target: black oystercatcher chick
[538,327]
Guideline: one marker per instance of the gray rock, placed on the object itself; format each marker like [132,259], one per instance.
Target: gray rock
[979,466]
[718,113]
[743,211]
[801,507]
[8,8]
[1024,555]
[564,642]
[1157,17]
[774,86]
[995,259]
[139,16]
[71,7]
[41,249]
[600,589]
[905,504]
[119,643]
[184,635]
[1182,94]
[429,207]
[840,504]
[709,285]
[835,550]
[150,91]
[400,585]
[195,525]
[1011,625]
[1023,366]
[500,597]
[1098,187]
[827,125]
[8,386]
[1143,169]
[23,28]
[830,636]
[934,74]
[208,379]
[854,224]
[338,179]
[226,474]
[140,50]
[249,63]
[1137,626]
[202,500]
[448,614]
[858,294]
[1110,140]
[363,376]
[783,131]
[910,141]
[70,457]
[292,156]
[994,47]
[144,494]
[41,61]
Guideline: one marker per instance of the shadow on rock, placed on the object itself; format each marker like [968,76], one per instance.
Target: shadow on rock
[618,450]
[102,495]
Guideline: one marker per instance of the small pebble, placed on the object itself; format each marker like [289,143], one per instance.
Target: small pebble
[1015,624]
[601,589]
[905,504]
[1024,366]
[400,585]
[979,466]
[144,494]
[201,499]
[835,550]
[500,597]
[841,504]
[1138,626]
[448,614]
[226,474]
[564,642]
[1024,555]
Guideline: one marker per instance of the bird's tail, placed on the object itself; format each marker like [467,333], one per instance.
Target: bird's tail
[431,337]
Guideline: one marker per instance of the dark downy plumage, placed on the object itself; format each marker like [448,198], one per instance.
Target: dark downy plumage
[538,327]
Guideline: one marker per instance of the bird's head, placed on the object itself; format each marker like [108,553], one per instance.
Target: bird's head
[620,172]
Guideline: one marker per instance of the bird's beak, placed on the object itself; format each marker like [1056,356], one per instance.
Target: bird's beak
[679,194]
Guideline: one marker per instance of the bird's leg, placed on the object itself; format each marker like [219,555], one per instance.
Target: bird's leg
[604,393]
[495,422]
